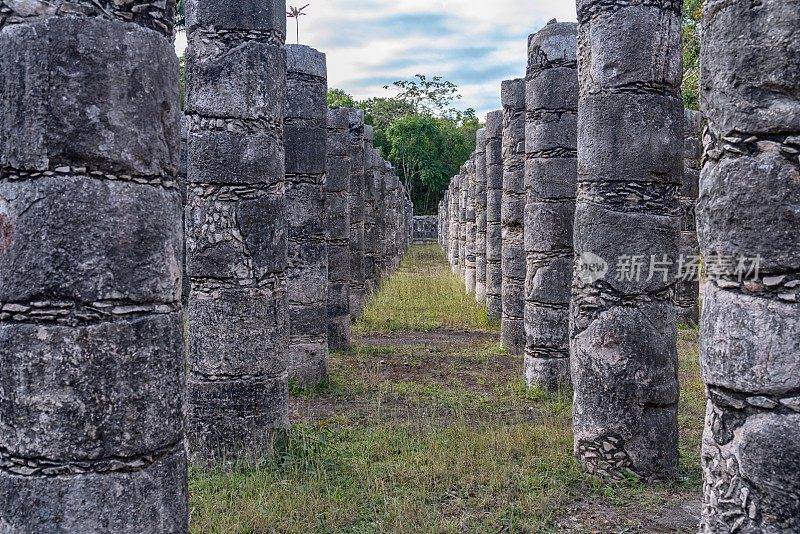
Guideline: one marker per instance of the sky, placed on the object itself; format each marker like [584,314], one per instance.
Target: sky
[475,44]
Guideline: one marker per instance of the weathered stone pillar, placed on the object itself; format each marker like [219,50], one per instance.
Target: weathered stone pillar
[687,294]
[494,200]
[480,216]
[749,209]
[379,178]
[305,139]
[357,287]
[512,326]
[337,216]
[182,170]
[623,330]
[372,164]
[92,381]
[463,227]
[236,230]
[396,220]
[442,223]
[469,246]
[550,176]
[455,223]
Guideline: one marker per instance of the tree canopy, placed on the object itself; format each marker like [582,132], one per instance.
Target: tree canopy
[420,132]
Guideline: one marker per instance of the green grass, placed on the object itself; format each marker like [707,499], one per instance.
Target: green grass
[427,437]
[423,295]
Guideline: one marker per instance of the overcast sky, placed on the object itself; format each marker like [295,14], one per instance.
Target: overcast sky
[473,43]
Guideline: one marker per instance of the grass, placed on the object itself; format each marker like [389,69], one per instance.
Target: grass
[423,295]
[436,436]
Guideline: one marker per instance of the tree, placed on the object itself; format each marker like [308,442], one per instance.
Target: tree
[690,30]
[338,98]
[417,146]
[382,112]
[296,13]
[432,96]
[420,133]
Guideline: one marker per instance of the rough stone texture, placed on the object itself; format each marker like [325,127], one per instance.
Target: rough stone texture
[337,225]
[356,192]
[463,226]
[91,252]
[512,326]
[687,291]
[494,198]
[455,222]
[623,328]
[480,216]
[550,186]
[471,229]
[379,178]
[236,230]
[305,138]
[749,206]
[373,164]
[425,228]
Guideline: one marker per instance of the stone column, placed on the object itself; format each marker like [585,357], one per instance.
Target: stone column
[550,176]
[337,217]
[379,178]
[396,220]
[455,223]
[749,208]
[480,216]
[372,164]
[469,246]
[623,330]
[92,381]
[463,227]
[494,199]
[182,170]
[305,140]
[687,293]
[357,288]
[512,326]
[236,230]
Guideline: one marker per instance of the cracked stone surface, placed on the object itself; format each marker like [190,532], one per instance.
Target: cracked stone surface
[749,206]
[623,328]
[92,375]
[237,230]
[550,190]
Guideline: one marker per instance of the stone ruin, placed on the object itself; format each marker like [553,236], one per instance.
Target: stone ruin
[613,171]
[305,145]
[241,210]
[259,245]
[749,207]
[425,228]
[512,325]
[236,232]
[550,189]
[493,136]
[92,373]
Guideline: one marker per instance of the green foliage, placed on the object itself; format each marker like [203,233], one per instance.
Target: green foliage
[426,96]
[338,98]
[420,132]
[423,295]
[180,15]
[690,30]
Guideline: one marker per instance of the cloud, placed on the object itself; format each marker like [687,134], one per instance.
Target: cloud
[472,43]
